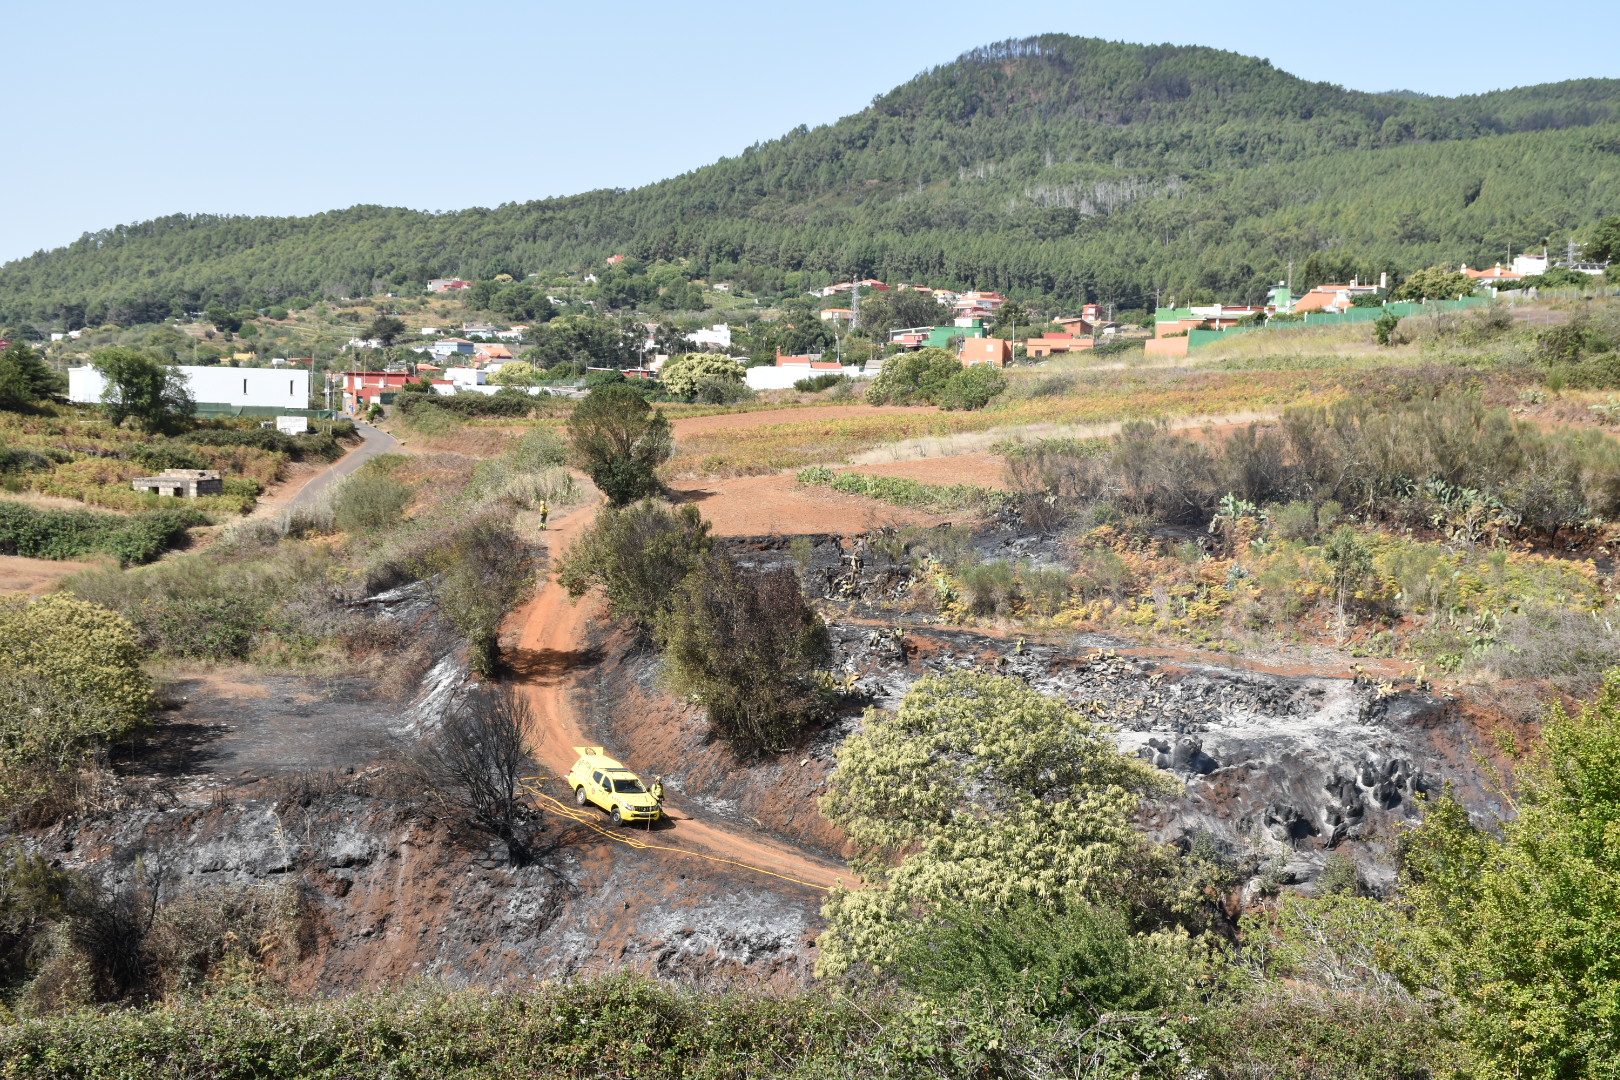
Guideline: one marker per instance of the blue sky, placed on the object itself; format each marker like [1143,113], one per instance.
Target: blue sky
[123,112]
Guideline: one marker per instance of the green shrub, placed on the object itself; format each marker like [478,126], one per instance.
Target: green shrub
[972,388]
[244,486]
[69,534]
[990,588]
[744,644]
[903,491]
[1304,1033]
[207,628]
[1295,521]
[158,456]
[1057,960]
[1515,920]
[636,558]
[983,764]
[685,375]
[370,500]
[70,682]
[913,377]
[507,401]
[478,572]
[816,383]
[309,446]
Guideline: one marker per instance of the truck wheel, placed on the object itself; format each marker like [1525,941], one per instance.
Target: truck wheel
[579,795]
[618,818]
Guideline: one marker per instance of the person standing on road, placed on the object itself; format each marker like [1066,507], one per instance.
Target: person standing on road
[544,512]
[657,790]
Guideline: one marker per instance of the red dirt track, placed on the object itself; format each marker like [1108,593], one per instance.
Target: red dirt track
[549,659]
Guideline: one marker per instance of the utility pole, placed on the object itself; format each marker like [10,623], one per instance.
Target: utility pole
[855,305]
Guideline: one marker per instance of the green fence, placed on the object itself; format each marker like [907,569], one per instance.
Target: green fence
[213,410]
[1403,308]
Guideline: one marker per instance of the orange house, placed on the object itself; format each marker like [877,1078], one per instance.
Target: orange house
[1047,344]
[986,350]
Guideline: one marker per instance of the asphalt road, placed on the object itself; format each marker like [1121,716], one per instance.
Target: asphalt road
[376,442]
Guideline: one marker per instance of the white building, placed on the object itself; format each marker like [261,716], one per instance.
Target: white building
[718,335]
[1530,265]
[466,376]
[235,387]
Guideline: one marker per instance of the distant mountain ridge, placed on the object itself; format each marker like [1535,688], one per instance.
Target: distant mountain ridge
[1054,165]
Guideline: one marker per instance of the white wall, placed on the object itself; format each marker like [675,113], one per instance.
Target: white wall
[782,378]
[267,387]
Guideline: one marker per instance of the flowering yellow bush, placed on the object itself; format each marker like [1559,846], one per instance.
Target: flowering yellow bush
[70,679]
[979,788]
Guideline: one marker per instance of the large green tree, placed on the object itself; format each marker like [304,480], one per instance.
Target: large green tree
[385,329]
[1518,922]
[620,441]
[25,381]
[1605,243]
[143,389]
[744,644]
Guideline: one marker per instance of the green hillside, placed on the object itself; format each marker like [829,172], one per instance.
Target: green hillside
[1054,165]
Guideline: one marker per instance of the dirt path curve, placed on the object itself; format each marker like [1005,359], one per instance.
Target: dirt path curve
[550,660]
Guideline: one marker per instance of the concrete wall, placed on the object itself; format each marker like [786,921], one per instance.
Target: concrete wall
[262,387]
[1166,346]
[783,378]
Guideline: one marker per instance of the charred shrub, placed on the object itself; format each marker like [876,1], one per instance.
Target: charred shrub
[745,645]
[476,763]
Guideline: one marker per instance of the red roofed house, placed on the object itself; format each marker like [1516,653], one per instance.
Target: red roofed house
[1333,298]
[1494,274]
[362,389]
[1088,321]
[615,260]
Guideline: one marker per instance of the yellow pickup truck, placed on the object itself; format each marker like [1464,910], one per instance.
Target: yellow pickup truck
[597,778]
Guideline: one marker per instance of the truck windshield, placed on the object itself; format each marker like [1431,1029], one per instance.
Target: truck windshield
[627,787]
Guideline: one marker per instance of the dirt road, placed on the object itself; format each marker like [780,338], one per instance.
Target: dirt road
[550,658]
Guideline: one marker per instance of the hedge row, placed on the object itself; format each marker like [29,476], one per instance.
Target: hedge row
[68,534]
[500,403]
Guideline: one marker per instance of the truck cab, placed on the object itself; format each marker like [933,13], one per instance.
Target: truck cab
[599,779]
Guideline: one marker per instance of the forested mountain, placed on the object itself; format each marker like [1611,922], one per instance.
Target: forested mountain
[1055,165]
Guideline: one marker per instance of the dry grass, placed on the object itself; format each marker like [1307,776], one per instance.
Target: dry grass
[1096,400]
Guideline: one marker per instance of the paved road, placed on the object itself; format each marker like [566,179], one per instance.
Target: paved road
[376,442]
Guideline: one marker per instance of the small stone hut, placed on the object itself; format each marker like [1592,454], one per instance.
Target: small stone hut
[186,483]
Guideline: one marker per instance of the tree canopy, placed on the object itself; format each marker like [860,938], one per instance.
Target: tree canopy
[143,389]
[620,440]
[24,379]
[1068,167]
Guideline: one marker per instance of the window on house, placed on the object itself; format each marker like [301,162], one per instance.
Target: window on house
[244,386]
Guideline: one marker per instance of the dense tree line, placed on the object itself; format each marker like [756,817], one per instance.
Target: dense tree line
[1053,166]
